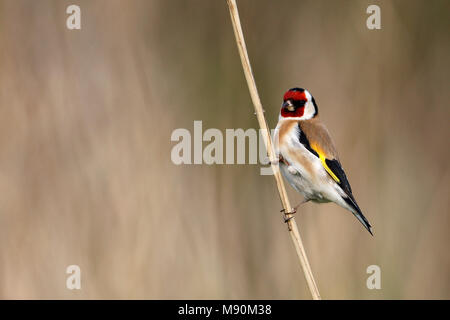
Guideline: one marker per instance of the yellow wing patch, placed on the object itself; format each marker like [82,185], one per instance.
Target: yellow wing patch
[322,158]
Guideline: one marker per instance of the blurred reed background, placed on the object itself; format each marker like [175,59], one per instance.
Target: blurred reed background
[86,176]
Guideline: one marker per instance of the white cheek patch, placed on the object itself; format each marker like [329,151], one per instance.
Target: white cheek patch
[308,95]
[309,111]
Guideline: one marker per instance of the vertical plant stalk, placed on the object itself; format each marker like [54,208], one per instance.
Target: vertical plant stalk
[292,225]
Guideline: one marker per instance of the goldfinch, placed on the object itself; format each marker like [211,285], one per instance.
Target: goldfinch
[307,156]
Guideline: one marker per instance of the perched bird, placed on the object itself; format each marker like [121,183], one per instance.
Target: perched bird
[307,156]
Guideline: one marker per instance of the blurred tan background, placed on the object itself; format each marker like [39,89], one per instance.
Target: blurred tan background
[86,176]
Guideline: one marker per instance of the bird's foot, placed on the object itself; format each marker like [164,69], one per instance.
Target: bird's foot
[288,215]
[278,160]
[283,160]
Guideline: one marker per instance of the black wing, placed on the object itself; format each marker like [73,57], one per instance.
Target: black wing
[336,167]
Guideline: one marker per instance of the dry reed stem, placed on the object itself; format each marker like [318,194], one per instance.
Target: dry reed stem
[292,226]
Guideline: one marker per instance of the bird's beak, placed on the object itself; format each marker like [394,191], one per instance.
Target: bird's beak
[288,105]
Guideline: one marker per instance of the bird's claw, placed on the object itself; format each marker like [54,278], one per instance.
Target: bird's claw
[290,214]
[294,210]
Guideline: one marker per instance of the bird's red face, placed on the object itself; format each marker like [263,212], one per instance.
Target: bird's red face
[298,103]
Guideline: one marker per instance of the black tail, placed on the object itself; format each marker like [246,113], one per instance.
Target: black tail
[358,214]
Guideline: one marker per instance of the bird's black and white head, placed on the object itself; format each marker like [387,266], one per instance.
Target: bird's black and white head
[298,104]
